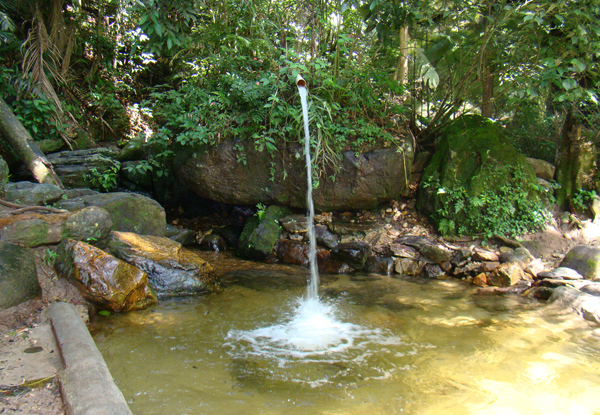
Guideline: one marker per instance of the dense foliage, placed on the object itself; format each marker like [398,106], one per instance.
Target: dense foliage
[192,72]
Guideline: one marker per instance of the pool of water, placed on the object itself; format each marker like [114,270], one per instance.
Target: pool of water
[409,346]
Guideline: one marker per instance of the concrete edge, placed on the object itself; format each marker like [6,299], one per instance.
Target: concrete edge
[86,384]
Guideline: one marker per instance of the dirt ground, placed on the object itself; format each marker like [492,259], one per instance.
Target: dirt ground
[29,355]
[30,359]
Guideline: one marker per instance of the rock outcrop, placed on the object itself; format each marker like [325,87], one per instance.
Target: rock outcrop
[18,275]
[363,181]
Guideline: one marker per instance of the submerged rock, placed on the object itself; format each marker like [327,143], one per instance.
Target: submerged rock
[213,242]
[171,269]
[18,275]
[586,305]
[106,281]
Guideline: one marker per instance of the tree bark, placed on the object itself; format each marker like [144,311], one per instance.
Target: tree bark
[402,67]
[575,162]
[25,148]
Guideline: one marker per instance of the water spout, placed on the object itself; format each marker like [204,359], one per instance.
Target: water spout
[313,285]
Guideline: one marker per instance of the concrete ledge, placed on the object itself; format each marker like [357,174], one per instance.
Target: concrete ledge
[86,384]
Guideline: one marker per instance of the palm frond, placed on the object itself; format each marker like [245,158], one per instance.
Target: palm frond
[40,59]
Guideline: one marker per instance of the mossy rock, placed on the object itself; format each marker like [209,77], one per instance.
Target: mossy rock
[477,181]
[261,234]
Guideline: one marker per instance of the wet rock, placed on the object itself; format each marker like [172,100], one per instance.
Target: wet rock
[585,260]
[185,237]
[295,223]
[480,280]
[561,273]
[213,242]
[32,229]
[541,293]
[586,305]
[593,288]
[404,251]
[408,266]
[33,194]
[379,265]
[261,234]
[326,238]
[18,275]
[433,271]
[507,274]
[330,265]
[428,249]
[231,234]
[354,254]
[106,281]
[129,212]
[171,269]
[293,252]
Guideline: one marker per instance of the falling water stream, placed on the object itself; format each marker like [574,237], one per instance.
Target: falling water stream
[374,345]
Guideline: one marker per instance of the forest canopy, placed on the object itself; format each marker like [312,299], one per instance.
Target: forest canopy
[193,72]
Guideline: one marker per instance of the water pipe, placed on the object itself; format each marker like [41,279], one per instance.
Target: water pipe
[300,82]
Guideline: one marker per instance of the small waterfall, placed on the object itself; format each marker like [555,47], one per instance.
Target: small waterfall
[313,286]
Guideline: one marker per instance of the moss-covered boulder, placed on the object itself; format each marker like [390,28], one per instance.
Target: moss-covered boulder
[585,260]
[106,281]
[31,229]
[478,183]
[129,212]
[261,233]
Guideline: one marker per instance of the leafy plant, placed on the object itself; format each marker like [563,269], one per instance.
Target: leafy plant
[104,181]
[584,198]
[49,257]
[514,209]
[260,210]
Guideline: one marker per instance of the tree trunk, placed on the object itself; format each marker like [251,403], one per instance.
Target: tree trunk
[575,162]
[25,148]
[487,96]
[402,68]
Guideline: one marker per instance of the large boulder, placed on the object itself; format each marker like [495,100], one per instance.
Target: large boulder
[106,281]
[363,181]
[18,275]
[129,212]
[33,229]
[172,269]
[477,182]
[585,260]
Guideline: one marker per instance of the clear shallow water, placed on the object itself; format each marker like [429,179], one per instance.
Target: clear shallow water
[408,346]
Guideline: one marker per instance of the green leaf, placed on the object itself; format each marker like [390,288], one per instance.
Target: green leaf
[579,66]
[104,313]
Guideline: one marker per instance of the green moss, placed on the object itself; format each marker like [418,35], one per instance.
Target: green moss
[477,183]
